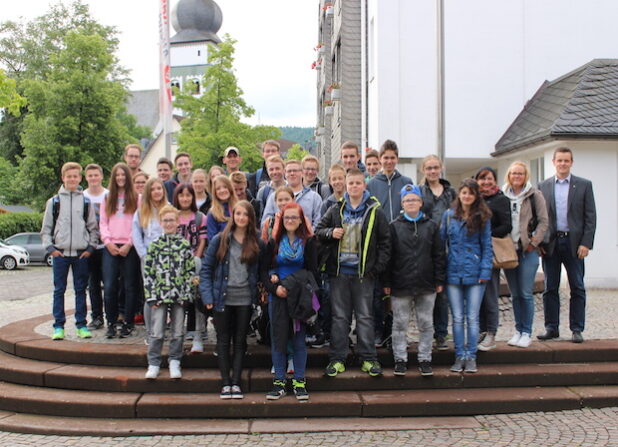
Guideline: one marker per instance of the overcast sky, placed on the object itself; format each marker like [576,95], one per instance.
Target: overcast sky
[273,54]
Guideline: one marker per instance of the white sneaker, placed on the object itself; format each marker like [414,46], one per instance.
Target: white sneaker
[153,372]
[175,372]
[524,341]
[197,346]
[514,339]
[290,366]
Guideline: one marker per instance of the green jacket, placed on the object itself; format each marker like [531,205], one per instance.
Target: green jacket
[375,239]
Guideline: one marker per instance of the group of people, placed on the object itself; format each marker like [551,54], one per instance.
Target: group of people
[365,245]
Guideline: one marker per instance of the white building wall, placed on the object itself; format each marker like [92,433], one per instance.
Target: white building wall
[189,54]
[497,54]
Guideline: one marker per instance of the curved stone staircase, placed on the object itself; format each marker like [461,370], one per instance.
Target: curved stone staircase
[72,387]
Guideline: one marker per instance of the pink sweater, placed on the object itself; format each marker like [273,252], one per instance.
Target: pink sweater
[116,229]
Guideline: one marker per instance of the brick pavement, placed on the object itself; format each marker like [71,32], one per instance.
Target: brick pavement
[574,428]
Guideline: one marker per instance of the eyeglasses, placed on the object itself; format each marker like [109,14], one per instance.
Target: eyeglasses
[290,171]
[518,174]
[412,201]
[291,218]
[310,169]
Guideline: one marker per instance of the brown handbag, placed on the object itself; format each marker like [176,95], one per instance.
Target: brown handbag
[505,255]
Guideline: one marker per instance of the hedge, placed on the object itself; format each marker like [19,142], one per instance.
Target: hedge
[11,223]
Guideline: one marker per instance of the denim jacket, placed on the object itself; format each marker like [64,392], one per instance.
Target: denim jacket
[469,256]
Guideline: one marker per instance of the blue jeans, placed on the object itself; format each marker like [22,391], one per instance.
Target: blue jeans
[551,299]
[95,269]
[129,269]
[521,285]
[465,302]
[60,269]
[280,359]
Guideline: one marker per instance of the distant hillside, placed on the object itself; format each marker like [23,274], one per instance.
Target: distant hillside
[300,135]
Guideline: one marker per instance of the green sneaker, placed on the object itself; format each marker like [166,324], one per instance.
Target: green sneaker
[82,332]
[58,334]
[372,368]
[334,368]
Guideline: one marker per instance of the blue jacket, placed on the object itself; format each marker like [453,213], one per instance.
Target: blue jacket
[214,276]
[213,226]
[387,192]
[469,256]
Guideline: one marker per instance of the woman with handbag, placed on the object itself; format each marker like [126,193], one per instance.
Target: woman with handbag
[529,220]
[501,227]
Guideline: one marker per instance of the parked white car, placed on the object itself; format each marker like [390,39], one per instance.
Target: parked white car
[12,256]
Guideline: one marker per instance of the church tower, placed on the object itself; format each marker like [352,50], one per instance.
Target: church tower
[196,23]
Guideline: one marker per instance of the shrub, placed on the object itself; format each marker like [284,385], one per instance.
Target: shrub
[11,223]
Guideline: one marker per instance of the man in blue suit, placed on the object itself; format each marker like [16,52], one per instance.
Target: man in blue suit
[572,224]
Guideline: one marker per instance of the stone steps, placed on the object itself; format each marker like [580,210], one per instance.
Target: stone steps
[394,403]
[207,380]
[85,381]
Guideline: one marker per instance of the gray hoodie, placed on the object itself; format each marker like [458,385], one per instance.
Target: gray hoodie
[386,190]
[71,234]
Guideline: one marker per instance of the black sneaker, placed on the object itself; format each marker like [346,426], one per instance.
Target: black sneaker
[237,392]
[320,342]
[278,390]
[126,330]
[425,368]
[96,323]
[111,331]
[400,368]
[441,344]
[300,390]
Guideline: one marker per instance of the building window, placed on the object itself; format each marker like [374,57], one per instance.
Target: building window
[537,170]
[175,84]
[199,52]
[196,87]
[336,70]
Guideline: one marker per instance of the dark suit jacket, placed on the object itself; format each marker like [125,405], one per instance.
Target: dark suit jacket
[581,213]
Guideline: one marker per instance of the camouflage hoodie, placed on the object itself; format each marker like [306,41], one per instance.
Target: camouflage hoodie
[168,270]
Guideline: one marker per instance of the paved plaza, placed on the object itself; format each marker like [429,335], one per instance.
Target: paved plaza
[27,293]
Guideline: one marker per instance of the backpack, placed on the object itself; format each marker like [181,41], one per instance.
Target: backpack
[56,211]
[265,194]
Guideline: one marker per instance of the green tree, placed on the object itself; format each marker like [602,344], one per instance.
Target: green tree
[213,120]
[9,98]
[73,114]
[26,48]
[296,152]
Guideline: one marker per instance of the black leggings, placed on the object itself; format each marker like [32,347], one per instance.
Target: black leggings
[233,321]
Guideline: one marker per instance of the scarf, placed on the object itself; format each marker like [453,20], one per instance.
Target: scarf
[491,192]
[291,252]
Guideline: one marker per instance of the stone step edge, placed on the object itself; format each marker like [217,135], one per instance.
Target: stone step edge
[108,427]
[20,339]
[91,404]
[131,379]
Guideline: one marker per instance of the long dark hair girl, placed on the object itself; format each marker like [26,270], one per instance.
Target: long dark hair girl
[179,189]
[130,198]
[479,212]
[250,247]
